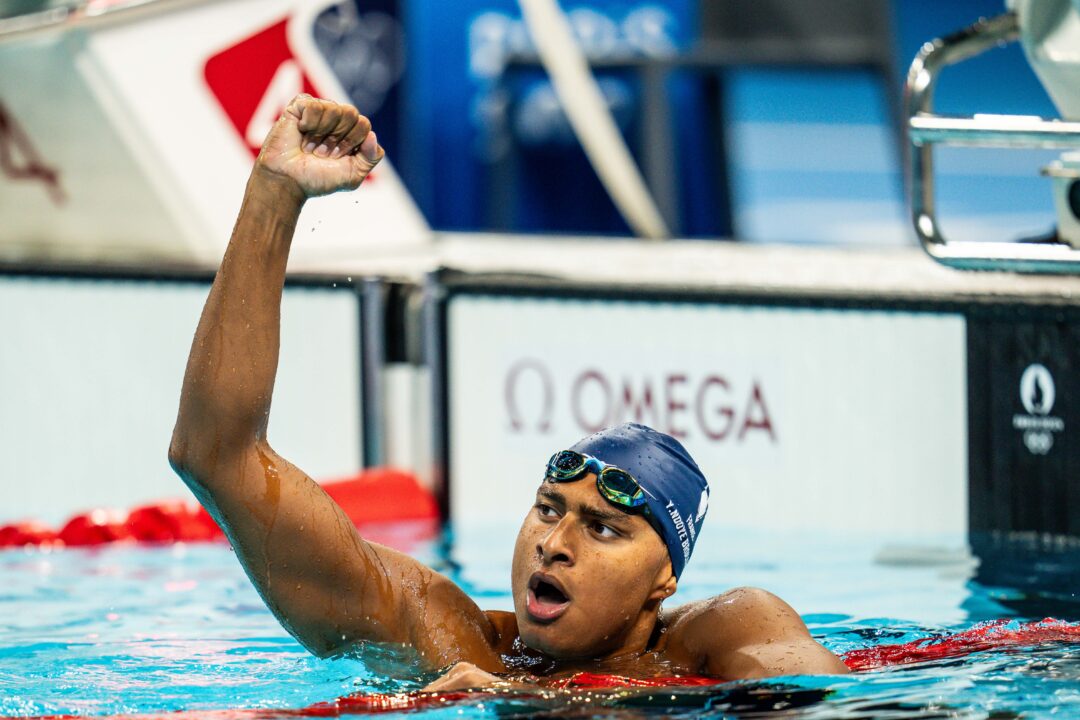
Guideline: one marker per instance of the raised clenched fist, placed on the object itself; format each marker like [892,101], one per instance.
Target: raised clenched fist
[320,145]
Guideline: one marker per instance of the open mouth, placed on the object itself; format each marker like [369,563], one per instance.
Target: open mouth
[547,600]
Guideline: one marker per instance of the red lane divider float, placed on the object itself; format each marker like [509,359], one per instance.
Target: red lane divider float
[375,499]
[993,635]
[598,681]
[384,501]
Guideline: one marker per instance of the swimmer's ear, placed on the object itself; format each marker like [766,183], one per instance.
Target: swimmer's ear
[666,584]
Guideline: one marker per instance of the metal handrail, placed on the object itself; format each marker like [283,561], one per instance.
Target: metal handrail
[925,129]
[86,14]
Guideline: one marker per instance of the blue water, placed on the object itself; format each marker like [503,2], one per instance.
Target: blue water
[138,630]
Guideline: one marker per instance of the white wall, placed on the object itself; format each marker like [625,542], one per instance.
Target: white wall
[90,376]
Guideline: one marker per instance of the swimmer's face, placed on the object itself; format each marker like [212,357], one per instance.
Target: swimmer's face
[586,575]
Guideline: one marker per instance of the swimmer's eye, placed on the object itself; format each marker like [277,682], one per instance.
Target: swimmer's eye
[605,531]
[546,511]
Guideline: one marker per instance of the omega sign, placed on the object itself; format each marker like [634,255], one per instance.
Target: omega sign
[711,407]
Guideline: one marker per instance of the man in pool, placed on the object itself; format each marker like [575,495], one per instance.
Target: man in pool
[616,516]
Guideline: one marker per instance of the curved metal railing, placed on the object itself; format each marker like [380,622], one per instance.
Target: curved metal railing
[925,129]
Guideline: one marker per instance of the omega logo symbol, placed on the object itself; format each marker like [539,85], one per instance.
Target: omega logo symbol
[535,374]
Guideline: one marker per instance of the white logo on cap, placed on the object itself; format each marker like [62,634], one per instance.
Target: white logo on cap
[703,506]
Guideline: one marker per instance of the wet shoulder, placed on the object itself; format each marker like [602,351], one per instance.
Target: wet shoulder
[734,619]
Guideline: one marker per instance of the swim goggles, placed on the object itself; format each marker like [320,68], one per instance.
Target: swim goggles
[617,486]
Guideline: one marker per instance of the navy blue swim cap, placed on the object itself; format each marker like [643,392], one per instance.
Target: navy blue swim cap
[676,491]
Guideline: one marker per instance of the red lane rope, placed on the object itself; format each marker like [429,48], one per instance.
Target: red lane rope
[384,496]
[380,495]
[598,681]
[994,635]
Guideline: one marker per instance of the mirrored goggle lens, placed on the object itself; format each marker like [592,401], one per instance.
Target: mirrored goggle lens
[621,488]
[565,464]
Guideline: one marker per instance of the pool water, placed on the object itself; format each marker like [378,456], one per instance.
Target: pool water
[136,630]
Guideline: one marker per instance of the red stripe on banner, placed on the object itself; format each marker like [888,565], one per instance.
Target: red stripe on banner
[257,76]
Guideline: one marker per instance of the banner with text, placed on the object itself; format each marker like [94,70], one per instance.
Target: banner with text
[801,418]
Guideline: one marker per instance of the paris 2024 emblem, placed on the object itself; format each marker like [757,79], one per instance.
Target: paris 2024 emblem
[1037,394]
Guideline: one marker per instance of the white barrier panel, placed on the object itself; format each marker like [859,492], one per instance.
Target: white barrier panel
[802,419]
[133,140]
[90,376]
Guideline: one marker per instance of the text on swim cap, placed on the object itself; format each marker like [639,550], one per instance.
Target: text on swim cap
[680,528]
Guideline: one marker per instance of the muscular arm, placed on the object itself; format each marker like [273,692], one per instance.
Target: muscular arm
[748,633]
[326,585]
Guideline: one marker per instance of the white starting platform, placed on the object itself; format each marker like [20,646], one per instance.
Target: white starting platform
[128,129]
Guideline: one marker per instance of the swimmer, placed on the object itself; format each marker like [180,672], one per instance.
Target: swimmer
[615,519]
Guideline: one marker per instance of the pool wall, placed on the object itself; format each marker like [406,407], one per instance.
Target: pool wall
[90,376]
[1024,419]
[805,416]
[820,388]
